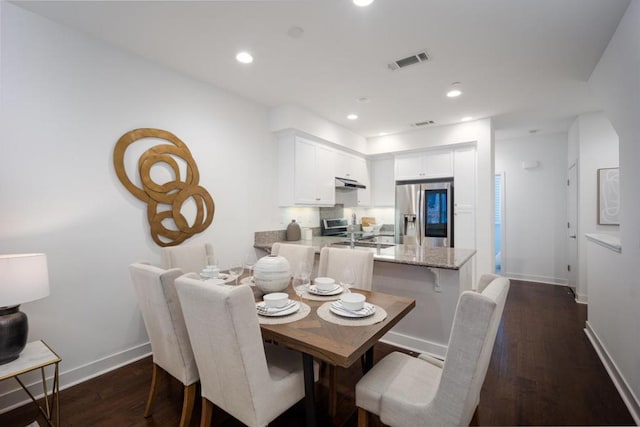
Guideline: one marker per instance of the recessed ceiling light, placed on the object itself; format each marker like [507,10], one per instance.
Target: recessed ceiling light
[455,90]
[466,119]
[244,57]
[383,133]
[362,3]
[352,117]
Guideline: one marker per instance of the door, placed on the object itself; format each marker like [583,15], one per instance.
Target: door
[572,224]
[437,210]
[407,214]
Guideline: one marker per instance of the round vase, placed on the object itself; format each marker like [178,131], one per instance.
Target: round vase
[272,273]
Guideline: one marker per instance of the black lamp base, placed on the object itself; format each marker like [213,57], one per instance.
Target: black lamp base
[14,330]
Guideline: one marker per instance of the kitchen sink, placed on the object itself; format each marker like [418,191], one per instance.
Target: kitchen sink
[365,244]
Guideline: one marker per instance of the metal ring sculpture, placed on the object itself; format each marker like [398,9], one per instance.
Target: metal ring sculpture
[173,193]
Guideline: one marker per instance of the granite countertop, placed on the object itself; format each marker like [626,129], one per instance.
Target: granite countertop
[447,258]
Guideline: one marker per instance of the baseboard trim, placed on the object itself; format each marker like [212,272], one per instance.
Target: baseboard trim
[17,397]
[629,398]
[415,344]
[582,298]
[539,279]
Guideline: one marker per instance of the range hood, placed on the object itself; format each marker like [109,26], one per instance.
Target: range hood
[348,184]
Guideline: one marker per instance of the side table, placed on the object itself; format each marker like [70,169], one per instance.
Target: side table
[37,355]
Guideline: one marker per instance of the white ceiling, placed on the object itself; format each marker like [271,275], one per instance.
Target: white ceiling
[523,62]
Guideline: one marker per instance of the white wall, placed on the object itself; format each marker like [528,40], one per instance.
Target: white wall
[535,213]
[66,100]
[616,83]
[480,132]
[597,147]
[287,117]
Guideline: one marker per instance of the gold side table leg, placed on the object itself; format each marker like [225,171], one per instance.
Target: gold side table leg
[56,393]
[46,395]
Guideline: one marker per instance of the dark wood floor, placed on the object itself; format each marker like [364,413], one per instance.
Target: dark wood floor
[543,371]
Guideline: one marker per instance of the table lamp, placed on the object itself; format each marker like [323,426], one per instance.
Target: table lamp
[23,278]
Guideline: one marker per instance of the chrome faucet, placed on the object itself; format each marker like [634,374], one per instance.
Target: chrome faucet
[352,228]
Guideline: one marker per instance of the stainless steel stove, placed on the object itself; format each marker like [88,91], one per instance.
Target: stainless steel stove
[334,227]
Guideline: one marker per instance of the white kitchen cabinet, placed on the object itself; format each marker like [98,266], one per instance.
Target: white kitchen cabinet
[354,167]
[362,175]
[383,185]
[305,172]
[424,165]
[464,197]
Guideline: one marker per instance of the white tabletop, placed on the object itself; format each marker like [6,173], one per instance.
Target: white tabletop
[35,355]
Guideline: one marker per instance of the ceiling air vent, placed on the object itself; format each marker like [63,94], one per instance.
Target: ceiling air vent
[409,60]
[425,123]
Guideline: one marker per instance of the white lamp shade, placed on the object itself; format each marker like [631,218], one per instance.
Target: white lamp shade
[23,278]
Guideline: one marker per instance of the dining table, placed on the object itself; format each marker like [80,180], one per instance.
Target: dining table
[338,343]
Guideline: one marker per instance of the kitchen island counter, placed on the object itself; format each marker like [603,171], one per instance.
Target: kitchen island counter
[434,277]
[447,258]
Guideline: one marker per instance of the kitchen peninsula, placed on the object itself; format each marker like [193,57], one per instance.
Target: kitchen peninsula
[434,277]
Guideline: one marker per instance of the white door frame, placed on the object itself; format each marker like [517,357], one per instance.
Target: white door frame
[503,223]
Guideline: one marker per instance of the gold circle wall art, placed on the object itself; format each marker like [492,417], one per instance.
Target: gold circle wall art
[166,200]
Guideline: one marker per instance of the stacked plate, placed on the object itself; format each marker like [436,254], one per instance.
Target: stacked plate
[289,308]
[337,307]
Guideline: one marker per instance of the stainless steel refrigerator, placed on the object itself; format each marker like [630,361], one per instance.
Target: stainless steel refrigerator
[424,212]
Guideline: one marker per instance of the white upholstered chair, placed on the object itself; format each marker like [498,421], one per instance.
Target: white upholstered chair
[334,260]
[253,381]
[295,254]
[191,258]
[423,391]
[162,315]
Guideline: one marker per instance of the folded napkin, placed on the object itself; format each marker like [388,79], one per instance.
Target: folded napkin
[317,290]
[364,311]
[263,309]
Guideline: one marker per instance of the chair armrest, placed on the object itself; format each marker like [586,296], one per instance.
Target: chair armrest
[427,358]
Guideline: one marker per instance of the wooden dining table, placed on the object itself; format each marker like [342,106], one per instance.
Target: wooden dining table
[336,344]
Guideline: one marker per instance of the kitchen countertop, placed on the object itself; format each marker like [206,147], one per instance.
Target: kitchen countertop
[447,258]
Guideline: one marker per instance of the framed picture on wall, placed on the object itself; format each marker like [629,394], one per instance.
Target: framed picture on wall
[609,196]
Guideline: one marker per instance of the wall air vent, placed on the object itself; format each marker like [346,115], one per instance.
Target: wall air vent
[409,60]
[425,123]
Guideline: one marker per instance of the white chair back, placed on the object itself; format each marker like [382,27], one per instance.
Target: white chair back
[225,334]
[295,254]
[191,258]
[333,261]
[163,319]
[473,335]
[409,391]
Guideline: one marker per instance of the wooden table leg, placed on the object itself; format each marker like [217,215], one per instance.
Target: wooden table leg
[368,361]
[309,392]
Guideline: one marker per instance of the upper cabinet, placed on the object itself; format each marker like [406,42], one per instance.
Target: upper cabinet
[305,172]
[383,184]
[425,165]
[354,167]
[464,200]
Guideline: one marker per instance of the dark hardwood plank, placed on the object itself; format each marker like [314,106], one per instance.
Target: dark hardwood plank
[543,371]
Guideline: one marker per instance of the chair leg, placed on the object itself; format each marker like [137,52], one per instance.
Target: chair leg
[187,404]
[152,390]
[207,412]
[363,418]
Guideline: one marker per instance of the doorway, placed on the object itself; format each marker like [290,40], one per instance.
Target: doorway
[499,230]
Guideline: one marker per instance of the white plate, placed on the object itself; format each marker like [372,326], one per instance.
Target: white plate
[314,290]
[293,309]
[226,278]
[344,313]
[248,281]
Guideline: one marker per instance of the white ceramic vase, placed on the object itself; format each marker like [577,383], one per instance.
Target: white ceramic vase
[272,273]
